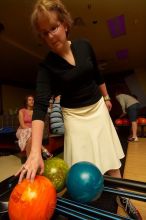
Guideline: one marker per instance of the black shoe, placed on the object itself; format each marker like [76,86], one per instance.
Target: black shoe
[128,207]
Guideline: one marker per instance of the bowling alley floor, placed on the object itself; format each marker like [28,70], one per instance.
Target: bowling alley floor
[135,169]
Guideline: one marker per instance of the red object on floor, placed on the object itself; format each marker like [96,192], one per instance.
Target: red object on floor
[119,121]
[126,121]
[141,120]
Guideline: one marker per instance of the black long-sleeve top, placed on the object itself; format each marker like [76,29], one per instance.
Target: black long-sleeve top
[77,85]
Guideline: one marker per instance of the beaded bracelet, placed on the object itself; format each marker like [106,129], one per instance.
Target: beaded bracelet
[107,98]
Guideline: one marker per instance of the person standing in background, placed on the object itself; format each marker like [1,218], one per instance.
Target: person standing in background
[130,106]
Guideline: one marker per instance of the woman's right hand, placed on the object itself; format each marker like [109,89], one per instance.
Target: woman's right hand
[33,164]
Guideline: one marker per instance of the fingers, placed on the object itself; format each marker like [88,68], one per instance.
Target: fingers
[27,173]
[110,107]
[32,176]
[41,170]
[19,171]
[30,168]
[22,173]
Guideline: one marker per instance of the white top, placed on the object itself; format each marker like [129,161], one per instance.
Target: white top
[126,101]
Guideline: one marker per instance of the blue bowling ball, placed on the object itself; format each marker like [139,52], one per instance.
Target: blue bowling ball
[84,182]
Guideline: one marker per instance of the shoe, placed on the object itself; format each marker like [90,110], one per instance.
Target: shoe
[128,207]
[132,139]
[46,154]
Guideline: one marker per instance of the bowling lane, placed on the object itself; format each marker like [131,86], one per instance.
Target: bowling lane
[135,168]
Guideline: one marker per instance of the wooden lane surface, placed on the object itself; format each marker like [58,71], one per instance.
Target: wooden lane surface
[135,169]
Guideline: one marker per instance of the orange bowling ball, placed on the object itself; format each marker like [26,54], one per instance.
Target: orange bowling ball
[118,121]
[126,121]
[141,120]
[32,200]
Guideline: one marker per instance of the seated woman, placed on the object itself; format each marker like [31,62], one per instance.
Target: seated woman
[24,131]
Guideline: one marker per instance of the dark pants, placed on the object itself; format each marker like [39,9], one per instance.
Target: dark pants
[132,111]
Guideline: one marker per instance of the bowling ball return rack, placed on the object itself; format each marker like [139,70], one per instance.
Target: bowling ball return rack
[75,210]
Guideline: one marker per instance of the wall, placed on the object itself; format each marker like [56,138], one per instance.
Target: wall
[133,82]
[137,84]
[13,97]
[141,76]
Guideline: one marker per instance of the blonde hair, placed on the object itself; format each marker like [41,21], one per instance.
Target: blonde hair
[45,6]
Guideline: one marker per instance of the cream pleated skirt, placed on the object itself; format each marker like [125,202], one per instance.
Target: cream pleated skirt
[91,136]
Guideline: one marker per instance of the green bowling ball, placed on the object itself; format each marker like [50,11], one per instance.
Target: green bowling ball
[56,170]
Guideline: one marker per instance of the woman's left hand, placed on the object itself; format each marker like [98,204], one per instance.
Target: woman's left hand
[108,105]
[33,164]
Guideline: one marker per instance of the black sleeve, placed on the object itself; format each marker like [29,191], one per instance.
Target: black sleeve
[43,94]
[97,75]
